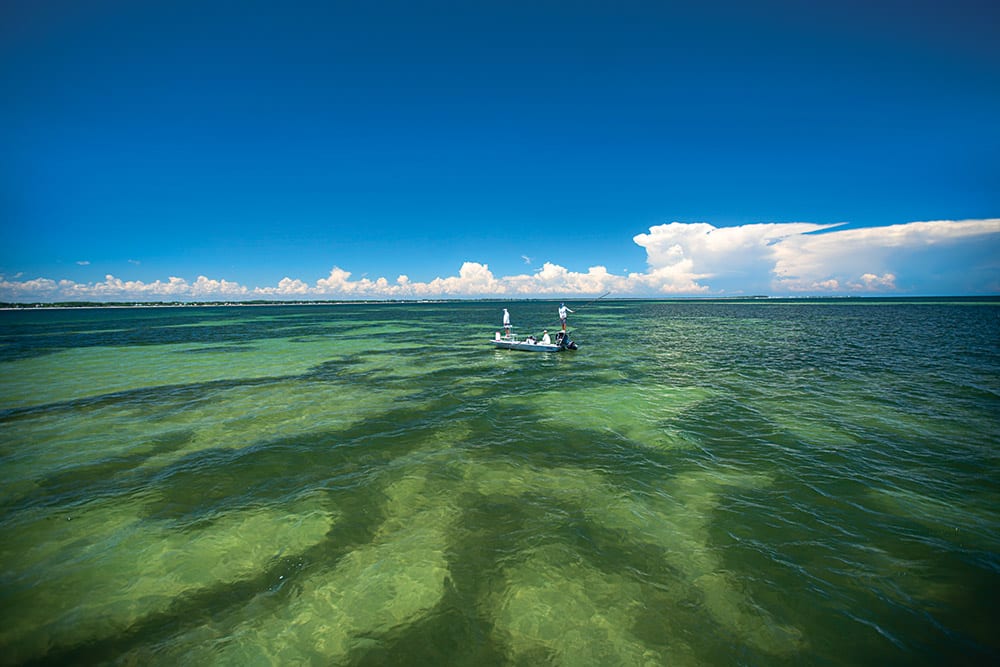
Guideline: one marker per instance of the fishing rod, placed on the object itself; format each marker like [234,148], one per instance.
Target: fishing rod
[590,302]
[593,300]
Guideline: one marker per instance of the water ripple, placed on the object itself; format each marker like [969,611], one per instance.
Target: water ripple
[747,482]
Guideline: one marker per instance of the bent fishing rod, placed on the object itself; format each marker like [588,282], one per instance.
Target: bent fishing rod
[593,300]
[590,302]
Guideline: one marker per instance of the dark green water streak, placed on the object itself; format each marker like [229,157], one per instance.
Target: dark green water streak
[730,482]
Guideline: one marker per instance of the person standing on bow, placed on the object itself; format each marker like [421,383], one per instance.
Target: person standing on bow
[506,323]
[562,314]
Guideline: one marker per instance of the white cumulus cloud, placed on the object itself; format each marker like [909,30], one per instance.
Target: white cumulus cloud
[116,289]
[941,256]
[944,256]
[934,257]
[697,258]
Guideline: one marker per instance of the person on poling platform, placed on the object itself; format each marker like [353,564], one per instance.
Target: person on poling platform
[506,323]
[562,314]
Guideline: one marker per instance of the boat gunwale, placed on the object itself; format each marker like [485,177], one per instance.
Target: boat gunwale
[511,343]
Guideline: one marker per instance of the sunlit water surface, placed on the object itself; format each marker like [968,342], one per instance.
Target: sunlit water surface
[756,482]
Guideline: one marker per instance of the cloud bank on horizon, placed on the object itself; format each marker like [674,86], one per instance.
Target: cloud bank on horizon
[942,257]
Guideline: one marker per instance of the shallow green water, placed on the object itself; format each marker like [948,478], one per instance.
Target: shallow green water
[701,483]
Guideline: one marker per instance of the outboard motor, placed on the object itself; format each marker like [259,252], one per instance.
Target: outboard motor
[562,340]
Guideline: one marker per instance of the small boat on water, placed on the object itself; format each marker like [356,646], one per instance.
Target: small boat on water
[529,344]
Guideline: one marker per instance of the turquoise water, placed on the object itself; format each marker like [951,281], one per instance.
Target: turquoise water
[753,482]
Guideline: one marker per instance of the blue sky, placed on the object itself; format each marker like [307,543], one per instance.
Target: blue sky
[326,149]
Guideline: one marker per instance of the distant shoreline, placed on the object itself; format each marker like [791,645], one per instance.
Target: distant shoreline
[79,305]
[64,305]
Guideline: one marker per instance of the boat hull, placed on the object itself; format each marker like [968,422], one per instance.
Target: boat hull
[525,346]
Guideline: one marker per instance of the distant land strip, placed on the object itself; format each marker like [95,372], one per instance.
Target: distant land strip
[967,299]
